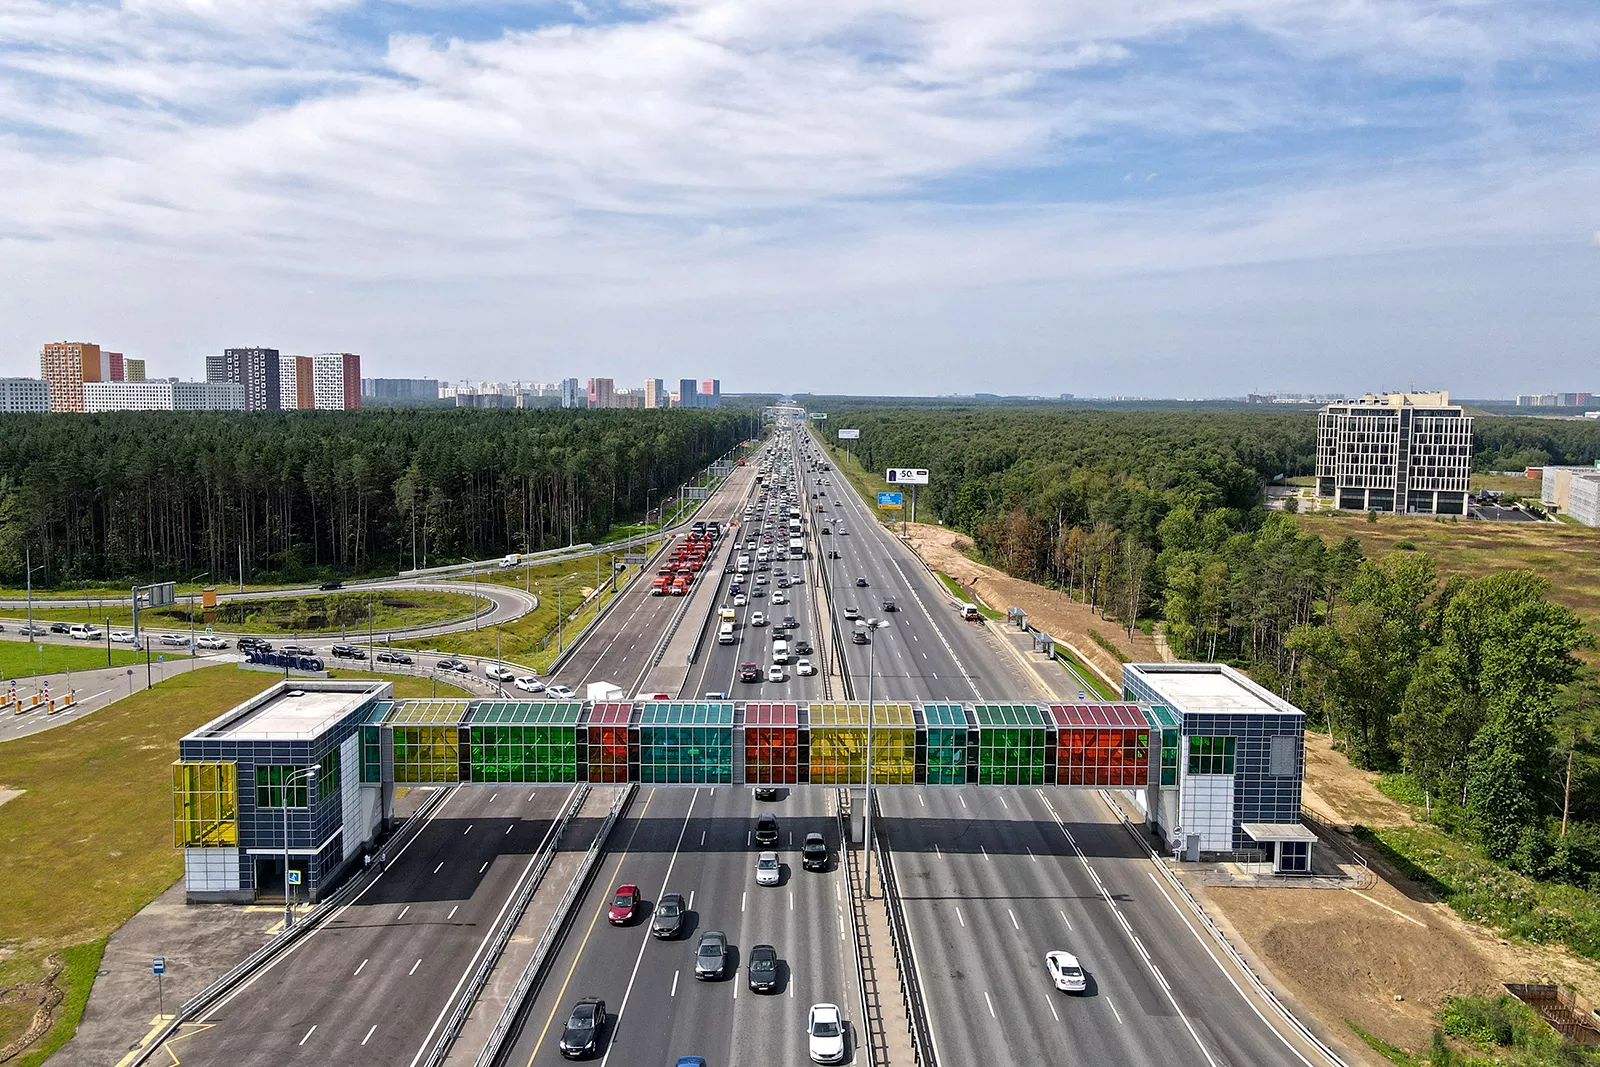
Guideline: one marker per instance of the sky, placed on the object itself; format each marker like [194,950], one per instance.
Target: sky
[1098,197]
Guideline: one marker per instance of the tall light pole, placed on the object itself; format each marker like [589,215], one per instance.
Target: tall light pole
[192,650]
[647,492]
[474,590]
[866,864]
[29,568]
[288,916]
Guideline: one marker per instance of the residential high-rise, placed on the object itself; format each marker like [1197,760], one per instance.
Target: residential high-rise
[133,369]
[601,392]
[711,393]
[127,396]
[207,396]
[18,395]
[112,364]
[573,394]
[289,382]
[216,367]
[400,388]
[1400,452]
[65,366]
[337,380]
[688,393]
[655,393]
[257,370]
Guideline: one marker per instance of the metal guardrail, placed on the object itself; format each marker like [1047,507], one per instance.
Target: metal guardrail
[220,987]
[1221,939]
[495,1047]
[508,925]
[858,934]
[922,1052]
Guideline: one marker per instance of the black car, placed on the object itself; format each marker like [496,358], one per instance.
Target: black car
[763,969]
[60,628]
[347,652]
[668,919]
[814,853]
[767,831]
[803,648]
[580,1038]
[254,644]
[392,657]
[453,665]
[789,623]
[859,637]
[889,604]
[861,582]
[833,555]
[766,792]
[328,587]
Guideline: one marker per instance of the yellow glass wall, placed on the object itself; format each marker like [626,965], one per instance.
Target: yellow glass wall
[205,805]
[839,744]
[426,754]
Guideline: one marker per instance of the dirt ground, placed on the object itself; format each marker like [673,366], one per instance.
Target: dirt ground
[1055,613]
[1344,955]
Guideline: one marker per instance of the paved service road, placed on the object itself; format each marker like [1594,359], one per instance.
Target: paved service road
[368,986]
[696,841]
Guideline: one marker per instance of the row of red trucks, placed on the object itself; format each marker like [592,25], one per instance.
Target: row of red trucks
[677,573]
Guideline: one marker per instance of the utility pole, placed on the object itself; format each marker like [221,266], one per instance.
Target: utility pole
[27,564]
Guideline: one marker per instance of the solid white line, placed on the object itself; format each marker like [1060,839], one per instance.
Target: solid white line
[508,829]
[742,898]
[962,799]
[1003,801]
[791,901]
[645,942]
[1050,1003]
[369,1034]
[1064,918]
[1032,857]
[985,852]
[414,967]
[452,914]
[359,969]
[702,837]
[1114,1011]
[492,796]
[309,1033]
[691,900]
[937,851]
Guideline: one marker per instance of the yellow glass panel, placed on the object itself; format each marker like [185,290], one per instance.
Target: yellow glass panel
[205,805]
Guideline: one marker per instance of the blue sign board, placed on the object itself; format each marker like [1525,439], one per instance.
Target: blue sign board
[294,877]
[891,500]
[158,965]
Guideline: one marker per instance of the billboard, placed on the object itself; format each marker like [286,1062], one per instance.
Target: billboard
[891,500]
[849,435]
[820,416]
[906,476]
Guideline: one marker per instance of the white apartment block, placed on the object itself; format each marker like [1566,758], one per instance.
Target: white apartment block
[24,395]
[1407,453]
[207,396]
[327,381]
[1573,491]
[288,383]
[127,396]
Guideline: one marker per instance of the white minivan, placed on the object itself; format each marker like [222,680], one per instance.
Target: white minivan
[725,634]
[744,564]
[780,651]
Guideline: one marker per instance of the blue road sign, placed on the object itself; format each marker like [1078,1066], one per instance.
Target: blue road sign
[294,877]
[158,965]
[891,500]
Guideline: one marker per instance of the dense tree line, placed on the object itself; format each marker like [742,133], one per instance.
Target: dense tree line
[1470,685]
[158,494]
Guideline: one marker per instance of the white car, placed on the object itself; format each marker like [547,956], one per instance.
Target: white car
[560,692]
[779,598]
[85,632]
[825,1033]
[529,684]
[775,673]
[122,637]
[178,640]
[208,641]
[740,600]
[498,672]
[1066,972]
[757,619]
[804,668]
[768,868]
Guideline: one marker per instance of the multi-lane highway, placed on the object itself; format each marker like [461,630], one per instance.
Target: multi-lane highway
[368,986]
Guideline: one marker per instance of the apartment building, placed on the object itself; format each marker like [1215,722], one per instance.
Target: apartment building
[573,394]
[133,369]
[400,388]
[1396,452]
[126,396]
[24,395]
[655,393]
[65,366]
[602,393]
[336,381]
[1573,491]
[207,396]
[257,369]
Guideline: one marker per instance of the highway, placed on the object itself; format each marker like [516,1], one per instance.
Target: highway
[368,986]
[993,878]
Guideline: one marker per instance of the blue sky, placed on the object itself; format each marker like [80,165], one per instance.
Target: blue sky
[1171,197]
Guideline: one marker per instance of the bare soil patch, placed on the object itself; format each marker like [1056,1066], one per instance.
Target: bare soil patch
[1345,795]
[7,793]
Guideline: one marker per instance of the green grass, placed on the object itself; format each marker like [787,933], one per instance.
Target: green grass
[1081,669]
[967,596]
[19,659]
[320,613]
[82,963]
[1100,639]
[865,482]
[405,687]
[89,842]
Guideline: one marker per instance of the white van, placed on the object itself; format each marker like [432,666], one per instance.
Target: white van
[780,651]
[744,564]
[725,634]
[83,632]
[797,548]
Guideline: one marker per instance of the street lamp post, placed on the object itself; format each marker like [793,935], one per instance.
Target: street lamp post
[288,916]
[28,569]
[191,581]
[474,590]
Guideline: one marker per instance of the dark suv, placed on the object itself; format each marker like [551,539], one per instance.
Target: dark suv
[814,853]
[767,831]
[254,644]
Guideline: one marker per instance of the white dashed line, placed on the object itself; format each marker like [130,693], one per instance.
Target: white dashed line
[309,1032]
[357,971]
[369,1034]
[414,967]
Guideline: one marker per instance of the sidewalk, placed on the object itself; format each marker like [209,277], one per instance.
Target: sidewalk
[883,987]
[519,950]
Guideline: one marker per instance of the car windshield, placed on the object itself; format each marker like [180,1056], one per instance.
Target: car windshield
[667,909]
[582,1019]
[710,949]
[763,963]
[623,900]
[767,864]
[825,1028]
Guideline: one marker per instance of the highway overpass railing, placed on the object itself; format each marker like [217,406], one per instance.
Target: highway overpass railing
[871,1029]
[922,1049]
[508,925]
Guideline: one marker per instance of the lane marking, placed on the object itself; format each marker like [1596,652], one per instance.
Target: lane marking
[508,829]
[467,831]
[309,1032]
[1114,1011]
[360,969]
[962,799]
[691,900]
[960,920]
[485,867]
[742,898]
[989,1002]
[402,914]
[369,1034]
[439,868]
[1003,802]
[1064,918]
[675,982]
[1014,925]
[452,914]
[414,967]
[1050,1003]
[492,796]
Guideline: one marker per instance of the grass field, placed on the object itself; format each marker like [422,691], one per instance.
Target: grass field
[527,641]
[320,613]
[1513,485]
[1568,556]
[19,659]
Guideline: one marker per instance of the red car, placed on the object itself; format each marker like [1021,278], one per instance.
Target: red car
[749,672]
[623,904]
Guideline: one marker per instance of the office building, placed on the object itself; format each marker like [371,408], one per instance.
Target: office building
[400,388]
[207,396]
[573,395]
[1407,453]
[24,395]
[133,369]
[688,394]
[65,366]
[257,370]
[336,380]
[710,393]
[127,396]
[1572,491]
[1554,400]
[1232,760]
[655,393]
[602,392]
